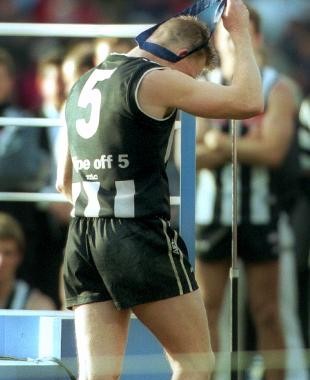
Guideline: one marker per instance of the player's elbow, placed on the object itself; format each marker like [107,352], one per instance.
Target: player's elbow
[65,190]
[275,159]
[251,108]
[60,187]
[257,106]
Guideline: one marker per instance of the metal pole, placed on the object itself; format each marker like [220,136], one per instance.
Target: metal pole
[234,272]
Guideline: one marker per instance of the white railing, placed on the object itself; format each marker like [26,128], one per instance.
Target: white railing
[71,30]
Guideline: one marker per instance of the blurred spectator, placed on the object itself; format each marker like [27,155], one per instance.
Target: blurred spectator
[17,10]
[301,223]
[281,12]
[79,59]
[25,166]
[287,36]
[54,217]
[105,46]
[296,47]
[15,293]
[69,11]
[147,11]
[51,89]
[154,10]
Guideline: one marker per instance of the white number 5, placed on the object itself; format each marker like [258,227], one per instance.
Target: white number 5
[92,96]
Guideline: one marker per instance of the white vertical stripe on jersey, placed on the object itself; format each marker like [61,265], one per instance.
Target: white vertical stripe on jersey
[76,190]
[171,257]
[259,202]
[182,261]
[205,197]
[225,217]
[304,138]
[93,207]
[124,202]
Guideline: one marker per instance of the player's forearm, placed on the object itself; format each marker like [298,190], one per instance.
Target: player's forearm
[254,152]
[246,77]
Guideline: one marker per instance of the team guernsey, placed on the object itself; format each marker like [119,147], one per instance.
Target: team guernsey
[119,153]
[260,189]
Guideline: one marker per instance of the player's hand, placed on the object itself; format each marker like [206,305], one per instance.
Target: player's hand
[236,17]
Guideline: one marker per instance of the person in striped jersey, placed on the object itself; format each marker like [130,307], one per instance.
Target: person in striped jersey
[122,255]
[300,222]
[266,183]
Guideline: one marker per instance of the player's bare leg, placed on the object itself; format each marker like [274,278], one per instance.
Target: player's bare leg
[101,334]
[212,278]
[180,324]
[263,288]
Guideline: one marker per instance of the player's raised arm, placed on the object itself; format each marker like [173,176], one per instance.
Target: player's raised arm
[177,86]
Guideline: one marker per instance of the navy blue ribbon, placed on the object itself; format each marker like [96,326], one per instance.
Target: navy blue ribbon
[208,11]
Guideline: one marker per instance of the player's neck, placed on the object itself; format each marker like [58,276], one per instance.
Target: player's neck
[137,52]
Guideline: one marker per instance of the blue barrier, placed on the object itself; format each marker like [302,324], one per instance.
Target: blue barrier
[47,334]
[187,182]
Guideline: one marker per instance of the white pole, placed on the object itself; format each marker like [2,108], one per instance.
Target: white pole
[234,272]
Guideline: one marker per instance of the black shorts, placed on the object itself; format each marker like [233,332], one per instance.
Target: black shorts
[129,261]
[255,243]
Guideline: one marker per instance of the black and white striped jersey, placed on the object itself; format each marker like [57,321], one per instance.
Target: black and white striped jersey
[304,145]
[119,153]
[261,191]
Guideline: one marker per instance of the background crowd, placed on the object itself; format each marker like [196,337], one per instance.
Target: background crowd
[35,77]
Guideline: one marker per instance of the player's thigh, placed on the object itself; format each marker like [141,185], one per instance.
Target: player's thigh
[263,285]
[101,333]
[212,278]
[180,324]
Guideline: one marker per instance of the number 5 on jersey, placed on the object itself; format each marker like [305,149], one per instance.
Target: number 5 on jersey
[91,95]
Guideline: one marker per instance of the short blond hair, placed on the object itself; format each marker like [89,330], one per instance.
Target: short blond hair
[186,32]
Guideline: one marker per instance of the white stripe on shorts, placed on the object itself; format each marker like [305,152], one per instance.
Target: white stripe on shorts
[182,261]
[171,258]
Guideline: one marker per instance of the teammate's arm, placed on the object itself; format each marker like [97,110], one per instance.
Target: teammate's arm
[209,154]
[269,143]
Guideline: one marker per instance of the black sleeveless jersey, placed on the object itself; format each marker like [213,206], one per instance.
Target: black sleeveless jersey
[119,154]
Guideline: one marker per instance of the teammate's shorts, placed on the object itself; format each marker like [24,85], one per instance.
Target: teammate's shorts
[255,243]
[129,261]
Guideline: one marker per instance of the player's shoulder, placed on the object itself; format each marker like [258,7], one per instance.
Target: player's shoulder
[287,86]
[165,77]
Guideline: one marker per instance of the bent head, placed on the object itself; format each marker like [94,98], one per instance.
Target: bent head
[187,37]
[12,244]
